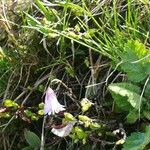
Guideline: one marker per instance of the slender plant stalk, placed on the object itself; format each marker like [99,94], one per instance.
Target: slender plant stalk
[42,135]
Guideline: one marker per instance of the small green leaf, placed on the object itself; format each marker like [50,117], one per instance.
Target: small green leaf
[80,133]
[41,88]
[32,139]
[28,112]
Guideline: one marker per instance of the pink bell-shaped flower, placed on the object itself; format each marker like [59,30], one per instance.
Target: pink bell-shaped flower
[52,105]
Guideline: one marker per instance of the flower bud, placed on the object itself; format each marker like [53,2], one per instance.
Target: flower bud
[10,103]
[95,125]
[34,118]
[41,105]
[41,112]
[69,117]
[84,118]
[86,104]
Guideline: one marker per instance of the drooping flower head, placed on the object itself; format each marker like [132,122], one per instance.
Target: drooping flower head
[52,105]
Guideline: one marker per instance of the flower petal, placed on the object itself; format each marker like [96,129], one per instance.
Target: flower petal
[65,131]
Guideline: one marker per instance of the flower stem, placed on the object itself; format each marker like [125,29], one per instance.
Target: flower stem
[42,136]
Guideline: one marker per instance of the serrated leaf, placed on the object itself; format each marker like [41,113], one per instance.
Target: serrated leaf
[136,61]
[127,90]
[136,76]
[137,48]
[32,139]
[137,140]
